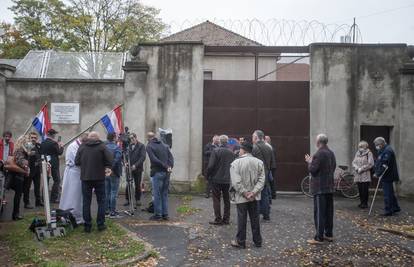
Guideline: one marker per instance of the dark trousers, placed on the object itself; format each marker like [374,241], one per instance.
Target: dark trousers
[218,191]
[54,195]
[273,186]
[323,215]
[35,178]
[18,186]
[390,201]
[363,189]
[209,187]
[264,204]
[137,176]
[99,187]
[242,210]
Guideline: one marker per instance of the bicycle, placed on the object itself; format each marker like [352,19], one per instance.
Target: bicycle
[343,182]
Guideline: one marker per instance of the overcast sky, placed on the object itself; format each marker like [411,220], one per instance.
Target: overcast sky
[380,21]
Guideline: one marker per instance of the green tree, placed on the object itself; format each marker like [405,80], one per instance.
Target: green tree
[86,25]
[12,43]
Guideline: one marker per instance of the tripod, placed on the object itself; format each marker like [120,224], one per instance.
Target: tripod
[129,179]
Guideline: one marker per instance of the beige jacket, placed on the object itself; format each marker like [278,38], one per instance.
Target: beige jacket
[364,162]
[247,175]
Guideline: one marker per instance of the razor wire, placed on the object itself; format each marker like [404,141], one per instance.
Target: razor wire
[280,32]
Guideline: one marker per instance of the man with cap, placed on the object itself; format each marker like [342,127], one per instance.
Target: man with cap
[247,181]
[50,147]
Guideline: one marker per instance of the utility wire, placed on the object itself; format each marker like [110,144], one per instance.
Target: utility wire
[377,13]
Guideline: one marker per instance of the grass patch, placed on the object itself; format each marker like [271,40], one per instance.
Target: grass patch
[105,247]
[186,209]
[187,198]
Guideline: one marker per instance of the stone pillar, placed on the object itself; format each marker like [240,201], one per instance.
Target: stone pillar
[5,71]
[331,102]
[135,97]
[406,149]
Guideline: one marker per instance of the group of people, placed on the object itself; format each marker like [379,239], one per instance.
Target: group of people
[244,176]
[322,167]
[241,172]
[23,159]
[91,165]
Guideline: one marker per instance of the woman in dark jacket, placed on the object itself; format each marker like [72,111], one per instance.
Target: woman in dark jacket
[21,158]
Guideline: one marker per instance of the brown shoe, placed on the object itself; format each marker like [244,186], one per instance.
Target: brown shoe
[314,242]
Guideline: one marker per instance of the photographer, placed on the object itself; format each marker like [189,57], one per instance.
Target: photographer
[19,173]
[137,158]
[54,149]
[35,170]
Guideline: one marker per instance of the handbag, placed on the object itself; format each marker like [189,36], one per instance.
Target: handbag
[11,166]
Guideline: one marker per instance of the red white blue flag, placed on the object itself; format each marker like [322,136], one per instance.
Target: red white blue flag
[112,121]
[41,122]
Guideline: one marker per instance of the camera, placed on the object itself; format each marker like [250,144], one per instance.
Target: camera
[125,138]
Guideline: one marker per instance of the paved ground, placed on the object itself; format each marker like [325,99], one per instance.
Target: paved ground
[188,240]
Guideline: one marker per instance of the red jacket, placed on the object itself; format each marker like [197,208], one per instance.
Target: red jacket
[11,148]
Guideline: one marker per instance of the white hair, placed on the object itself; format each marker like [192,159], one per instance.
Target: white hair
[380,141]
[224,139]
[322,139]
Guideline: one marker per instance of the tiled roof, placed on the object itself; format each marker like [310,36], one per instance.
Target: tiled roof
[212,35]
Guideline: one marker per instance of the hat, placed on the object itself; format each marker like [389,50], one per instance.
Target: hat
[52,132]
[246,146]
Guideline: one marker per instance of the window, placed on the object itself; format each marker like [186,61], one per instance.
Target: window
[208,75]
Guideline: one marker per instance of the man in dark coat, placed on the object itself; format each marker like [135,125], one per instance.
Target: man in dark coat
[264,152]
[386,164]
[54,149]
[218,170]
[162,163]
[95,162]
[208,149]
[35,170]
[268,141]
[322,168]
[137,158]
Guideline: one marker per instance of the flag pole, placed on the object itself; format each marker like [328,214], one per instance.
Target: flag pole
[90,126]
[31,122]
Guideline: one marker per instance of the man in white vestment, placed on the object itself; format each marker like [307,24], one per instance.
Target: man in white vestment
[71,197]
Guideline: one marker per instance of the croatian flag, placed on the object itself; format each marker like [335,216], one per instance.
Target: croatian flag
[41,122]
[112,121]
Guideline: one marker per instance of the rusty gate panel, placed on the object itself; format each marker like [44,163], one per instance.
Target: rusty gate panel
[279,108]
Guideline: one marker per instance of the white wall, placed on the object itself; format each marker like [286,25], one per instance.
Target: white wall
[239,67]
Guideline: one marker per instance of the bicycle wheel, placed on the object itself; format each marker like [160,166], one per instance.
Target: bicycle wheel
[305,186]
[348,187]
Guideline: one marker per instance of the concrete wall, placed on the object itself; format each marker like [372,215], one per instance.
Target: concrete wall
[354,85]
[164,89]
[172,97]
[407,129]
[24,98]
[237,67]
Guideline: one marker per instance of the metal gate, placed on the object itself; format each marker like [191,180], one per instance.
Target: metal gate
[279,108]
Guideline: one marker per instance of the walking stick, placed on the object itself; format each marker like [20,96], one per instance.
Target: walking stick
[376,190]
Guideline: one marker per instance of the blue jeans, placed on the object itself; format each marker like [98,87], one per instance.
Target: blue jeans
[99,187]
[264,206]
[111,192]
[160,184]
[390,201]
